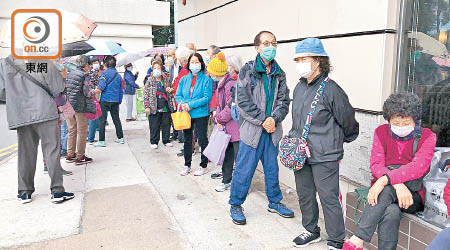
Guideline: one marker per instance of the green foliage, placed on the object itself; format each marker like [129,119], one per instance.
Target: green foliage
[166,35]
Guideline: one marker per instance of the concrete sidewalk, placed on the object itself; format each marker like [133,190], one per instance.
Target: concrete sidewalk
[132,197]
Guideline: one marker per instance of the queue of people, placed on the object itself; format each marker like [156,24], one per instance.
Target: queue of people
[249,102]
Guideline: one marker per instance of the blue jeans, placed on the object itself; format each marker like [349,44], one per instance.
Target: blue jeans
[93,125]
[246,163]
[64,134]
[441,241]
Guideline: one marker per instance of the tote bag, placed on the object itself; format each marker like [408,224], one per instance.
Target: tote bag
[181,120]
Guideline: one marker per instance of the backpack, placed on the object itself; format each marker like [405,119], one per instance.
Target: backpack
[233,104]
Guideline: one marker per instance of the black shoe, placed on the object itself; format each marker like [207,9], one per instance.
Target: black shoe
[181,154]
[25,198]
[83,160]
[306,238]
[217,175]
[61,197]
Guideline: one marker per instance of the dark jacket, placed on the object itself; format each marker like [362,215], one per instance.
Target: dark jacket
[28,103]
[76,94]
[251,101]
[130,83]
[332,124]
[113,92]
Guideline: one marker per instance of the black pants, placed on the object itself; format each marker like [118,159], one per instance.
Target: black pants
[386,214]
[159,122]
[200,125]
[113,108]
[228,161]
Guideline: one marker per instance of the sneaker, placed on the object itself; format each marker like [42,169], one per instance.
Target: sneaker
[186,171]
[83,160]
[100,144]
[217,175]
[333,248]
[237,215]
[120,141]
[222,187]
[168,145]
[24,198]
[45,170]
[181,154]
[61,197]
[130,120]
[66,172]
[201,171]
[92,142]
[306,238]
[348,246]
[70,158]
[280,209]
[154,146]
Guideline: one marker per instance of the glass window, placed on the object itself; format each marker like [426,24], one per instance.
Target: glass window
[426,45]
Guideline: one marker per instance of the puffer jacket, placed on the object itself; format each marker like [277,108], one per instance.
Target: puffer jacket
[27,103]
[251,101]
[78,96]
[332,124]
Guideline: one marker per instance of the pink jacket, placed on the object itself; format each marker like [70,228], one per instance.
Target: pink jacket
[223,114]
[447,196]
[388,151]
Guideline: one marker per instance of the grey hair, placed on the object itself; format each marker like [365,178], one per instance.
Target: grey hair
[183,54]
[403,104]
[82,60]
[235,61]
[214,49]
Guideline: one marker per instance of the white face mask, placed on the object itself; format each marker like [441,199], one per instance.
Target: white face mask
[402,131]
[157,73]
[96,66]
[130,68]
[304,69]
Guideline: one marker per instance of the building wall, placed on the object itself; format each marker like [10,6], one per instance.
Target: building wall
[128,22]
[364,65]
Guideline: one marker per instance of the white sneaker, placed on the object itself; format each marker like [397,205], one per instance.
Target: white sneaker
[222,187]
[201,171]
[154,146]
[168,145]
[186,171]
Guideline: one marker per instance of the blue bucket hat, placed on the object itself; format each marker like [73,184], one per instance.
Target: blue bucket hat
[309,47]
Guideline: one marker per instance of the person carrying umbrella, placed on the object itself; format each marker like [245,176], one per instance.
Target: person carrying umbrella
[130,89]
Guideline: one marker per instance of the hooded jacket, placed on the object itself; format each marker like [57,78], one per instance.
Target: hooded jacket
[251,101]
[332,124]
[27,103]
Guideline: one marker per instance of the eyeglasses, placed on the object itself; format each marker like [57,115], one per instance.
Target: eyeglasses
[267,44]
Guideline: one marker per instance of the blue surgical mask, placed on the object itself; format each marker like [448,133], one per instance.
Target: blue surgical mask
[207,60]
[157,73]
[170,60]
[268,53]
[195,68]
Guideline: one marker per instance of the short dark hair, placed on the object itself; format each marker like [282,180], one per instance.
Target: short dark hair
[324,64]
[161,56]
[257,40]
[403,104]
[199,58]
[110,61]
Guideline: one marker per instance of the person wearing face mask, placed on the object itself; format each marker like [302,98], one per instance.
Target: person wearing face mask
[94,76]
[393,189]
[174,67]
[158,103]
[263,102]
[130,90]
[332,124]
[193,94]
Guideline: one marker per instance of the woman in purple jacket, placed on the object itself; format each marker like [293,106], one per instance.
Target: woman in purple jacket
[218,68]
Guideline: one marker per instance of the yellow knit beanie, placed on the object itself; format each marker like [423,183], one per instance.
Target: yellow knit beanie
[218,66]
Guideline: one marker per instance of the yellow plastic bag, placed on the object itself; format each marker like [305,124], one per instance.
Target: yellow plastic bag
[181,120]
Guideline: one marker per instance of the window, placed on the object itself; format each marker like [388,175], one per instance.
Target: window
[425,62]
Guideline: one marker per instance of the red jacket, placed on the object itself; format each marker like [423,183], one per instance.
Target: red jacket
[388,151]
[183,72]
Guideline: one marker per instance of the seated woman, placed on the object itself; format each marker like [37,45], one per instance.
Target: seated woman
[397,171]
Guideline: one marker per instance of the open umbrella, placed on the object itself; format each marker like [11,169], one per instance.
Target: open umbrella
[158,50]
[75,27]
[104,47]
[129,57]
[74,49]
[429,45]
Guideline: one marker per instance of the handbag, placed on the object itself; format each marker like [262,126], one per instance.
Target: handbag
[181,120]
[98,111]
[218,143]
[65,109]
[362,193]
[294,150]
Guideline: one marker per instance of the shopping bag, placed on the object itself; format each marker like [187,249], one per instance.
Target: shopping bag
[218,143]
[435,211]
[181,120]
[98,111]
